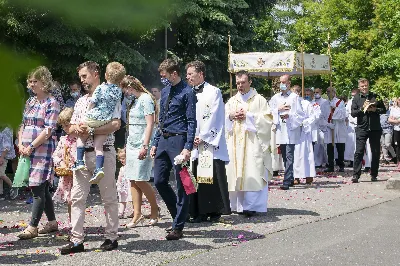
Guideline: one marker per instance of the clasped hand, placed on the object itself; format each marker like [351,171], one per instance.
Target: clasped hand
[25,151]
[81,130]
[238,115]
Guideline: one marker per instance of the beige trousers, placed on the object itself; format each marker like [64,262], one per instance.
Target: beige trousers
[108,192]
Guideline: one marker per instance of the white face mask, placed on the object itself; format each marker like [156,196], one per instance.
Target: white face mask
[317,96]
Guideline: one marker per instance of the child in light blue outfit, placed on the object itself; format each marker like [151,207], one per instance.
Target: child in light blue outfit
[104,100]
[7,152]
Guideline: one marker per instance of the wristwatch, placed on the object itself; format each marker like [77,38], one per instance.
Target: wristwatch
[91,131]
[31,146]
[146,147]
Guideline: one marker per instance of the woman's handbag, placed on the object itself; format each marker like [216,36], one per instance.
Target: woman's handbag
[21,178]
[60,171]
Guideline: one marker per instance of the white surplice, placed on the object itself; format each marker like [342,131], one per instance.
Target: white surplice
[288,131]
[303,165]
[211,109]
[320,154]
[337,125]
[350,147]
[250,165]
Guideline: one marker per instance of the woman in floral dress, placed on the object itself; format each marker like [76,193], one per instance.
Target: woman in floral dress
[64,157]
[36,140]
[140,124]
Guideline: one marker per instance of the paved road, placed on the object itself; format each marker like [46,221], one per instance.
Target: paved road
[330,196]
[365,237]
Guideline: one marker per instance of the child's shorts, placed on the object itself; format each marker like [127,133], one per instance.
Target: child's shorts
[3,168]
[96,123]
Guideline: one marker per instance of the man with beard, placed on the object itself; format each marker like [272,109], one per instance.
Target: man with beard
[89,73]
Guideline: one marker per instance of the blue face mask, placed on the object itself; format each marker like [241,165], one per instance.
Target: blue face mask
[166,82]
[129,97]
[282,87]
[75,94]
[307,98]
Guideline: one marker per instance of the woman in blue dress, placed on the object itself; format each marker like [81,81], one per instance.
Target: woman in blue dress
[142,114]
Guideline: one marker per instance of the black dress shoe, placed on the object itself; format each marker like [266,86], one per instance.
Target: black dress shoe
[351,164]
[198,219]
[109,245]
[366,169]
[72,248]
[176,234]
[284,187]
[215,218]
[249,213]
[275,173]
[341,169]
[328,170]
[374,179]
[355,179]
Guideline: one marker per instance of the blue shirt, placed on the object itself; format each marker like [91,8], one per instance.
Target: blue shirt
[105,97]
[181,116]
[387,128]
[71,102]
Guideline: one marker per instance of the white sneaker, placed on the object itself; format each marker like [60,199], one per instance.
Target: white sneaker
[97,176]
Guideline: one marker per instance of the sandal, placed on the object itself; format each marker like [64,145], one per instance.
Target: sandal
[49,227]
[29,233]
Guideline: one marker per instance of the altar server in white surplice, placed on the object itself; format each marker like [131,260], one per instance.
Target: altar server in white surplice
[336,133]
[210,154]
[350,148]
[304,166]
[248,133]
[320,154]
[288,117]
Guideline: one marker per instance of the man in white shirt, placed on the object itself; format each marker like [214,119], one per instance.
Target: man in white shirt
[288,117]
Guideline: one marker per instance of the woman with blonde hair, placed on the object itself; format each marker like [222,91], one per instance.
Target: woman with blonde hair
[36,140]
[141,115]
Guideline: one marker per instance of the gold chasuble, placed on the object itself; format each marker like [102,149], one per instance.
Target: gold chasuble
[249,143]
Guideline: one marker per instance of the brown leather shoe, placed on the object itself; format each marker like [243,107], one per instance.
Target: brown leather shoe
[50,227]
[29,233]
[176,234]
[309,180]
[296,181]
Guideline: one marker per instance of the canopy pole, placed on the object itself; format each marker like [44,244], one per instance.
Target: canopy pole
[302,69]
[229,65]
[330,60]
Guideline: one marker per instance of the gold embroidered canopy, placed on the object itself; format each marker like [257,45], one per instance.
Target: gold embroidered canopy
[277,64]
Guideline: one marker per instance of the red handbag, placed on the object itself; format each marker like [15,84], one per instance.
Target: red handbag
[188,181]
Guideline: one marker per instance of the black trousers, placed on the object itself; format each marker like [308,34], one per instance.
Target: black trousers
[42,201]
[340,147]
[374,141]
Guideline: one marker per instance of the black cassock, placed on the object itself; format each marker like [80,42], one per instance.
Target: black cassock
[211,198]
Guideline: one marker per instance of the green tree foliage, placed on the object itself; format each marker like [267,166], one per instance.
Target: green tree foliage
[364,35]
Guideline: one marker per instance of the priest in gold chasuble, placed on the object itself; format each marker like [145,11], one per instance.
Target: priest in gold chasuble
[248,132]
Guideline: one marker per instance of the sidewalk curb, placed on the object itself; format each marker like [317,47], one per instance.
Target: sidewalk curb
[393,183]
